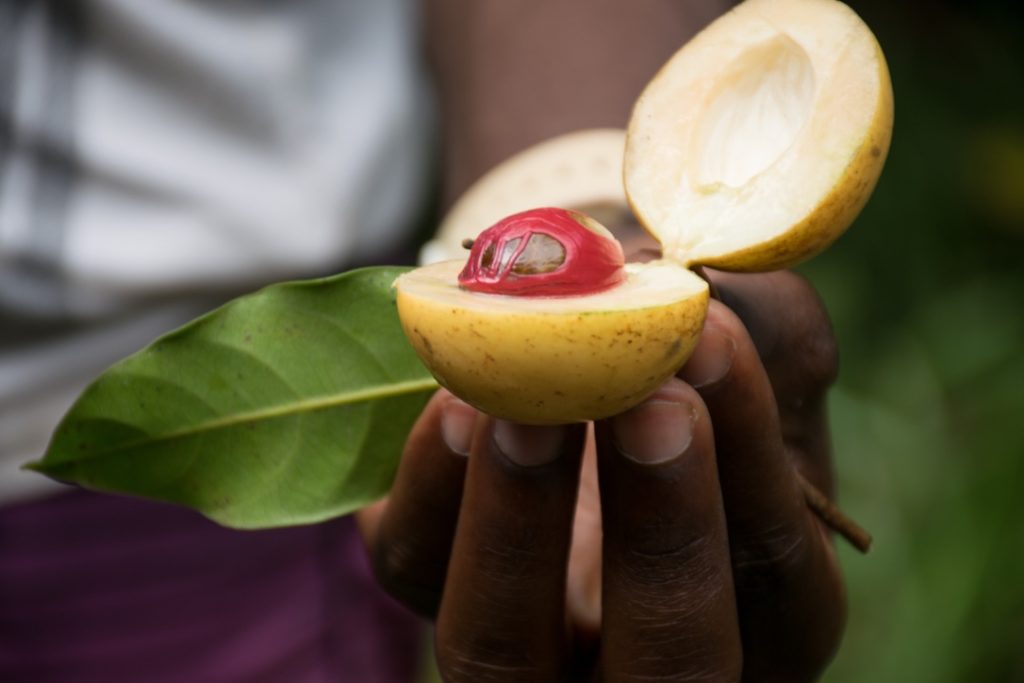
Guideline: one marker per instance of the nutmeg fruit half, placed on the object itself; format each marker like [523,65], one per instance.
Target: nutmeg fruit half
[753,149]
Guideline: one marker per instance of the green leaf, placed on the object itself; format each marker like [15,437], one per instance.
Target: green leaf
[287,406]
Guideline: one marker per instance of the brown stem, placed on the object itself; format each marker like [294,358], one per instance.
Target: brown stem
[833,517]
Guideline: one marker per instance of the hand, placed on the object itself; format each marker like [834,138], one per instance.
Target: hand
[709,565]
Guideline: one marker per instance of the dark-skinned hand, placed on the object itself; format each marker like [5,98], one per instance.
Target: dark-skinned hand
[673,545]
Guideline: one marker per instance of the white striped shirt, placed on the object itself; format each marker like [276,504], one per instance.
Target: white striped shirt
[157,155]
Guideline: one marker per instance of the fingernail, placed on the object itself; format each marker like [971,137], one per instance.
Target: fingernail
[457,421]
[711,360]
[528,445]
[659,429]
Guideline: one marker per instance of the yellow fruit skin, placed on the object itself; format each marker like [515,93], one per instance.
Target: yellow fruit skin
[552,368]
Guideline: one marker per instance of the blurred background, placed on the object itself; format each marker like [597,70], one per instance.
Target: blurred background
[926,292]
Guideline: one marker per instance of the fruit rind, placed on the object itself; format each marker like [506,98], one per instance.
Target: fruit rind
[827,221]
[554,360]
[830,70]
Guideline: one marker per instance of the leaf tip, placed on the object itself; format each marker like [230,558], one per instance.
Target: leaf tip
[43,466]
[34,466]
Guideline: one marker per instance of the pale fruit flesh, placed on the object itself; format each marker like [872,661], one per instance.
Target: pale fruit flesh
[581,170]
[761,140]
[554,360]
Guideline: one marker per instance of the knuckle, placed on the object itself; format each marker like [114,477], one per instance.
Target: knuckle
[409,577]
[673,576]
[819,354]
[483,658]
[393,563]
[770,560]
[793,579]
[656,555]
[509,555]
[811,342]
[688,664]
[671,579]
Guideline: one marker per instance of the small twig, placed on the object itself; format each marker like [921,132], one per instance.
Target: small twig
[833,517]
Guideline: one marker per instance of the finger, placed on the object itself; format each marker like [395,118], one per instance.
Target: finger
[789,326]
[502,615]
[583,591]
[793,336]
[669,609]
[410,534]
[788,587]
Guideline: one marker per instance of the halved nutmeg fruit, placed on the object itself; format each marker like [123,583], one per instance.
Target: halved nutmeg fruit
[753,149]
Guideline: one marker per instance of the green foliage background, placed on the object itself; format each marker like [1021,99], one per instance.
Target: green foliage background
[927,297]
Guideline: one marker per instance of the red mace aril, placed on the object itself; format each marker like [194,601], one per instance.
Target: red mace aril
[545,252]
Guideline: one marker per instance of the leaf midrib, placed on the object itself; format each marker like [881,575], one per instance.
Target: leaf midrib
[388,390]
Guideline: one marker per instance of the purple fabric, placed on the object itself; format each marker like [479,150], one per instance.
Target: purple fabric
[108,589]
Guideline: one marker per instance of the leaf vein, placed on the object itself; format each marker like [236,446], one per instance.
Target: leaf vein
[263,414]
[360,344]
